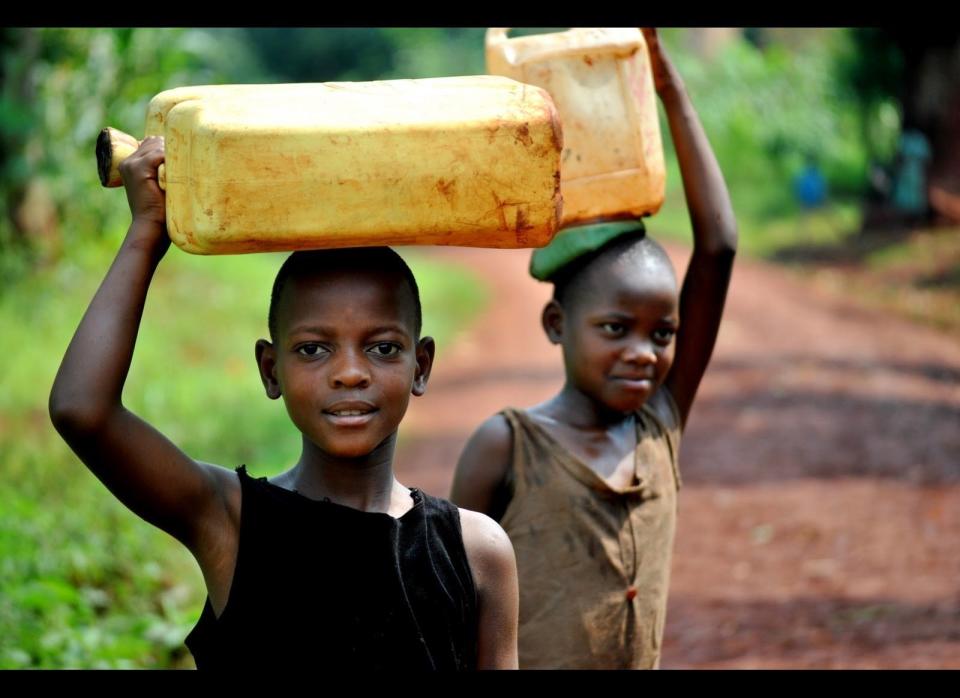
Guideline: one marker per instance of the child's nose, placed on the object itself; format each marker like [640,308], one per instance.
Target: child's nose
[640,351]
[349,370]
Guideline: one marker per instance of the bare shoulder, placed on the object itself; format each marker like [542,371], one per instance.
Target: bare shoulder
[493,441]
[484,535]
[488,547]
[483,465]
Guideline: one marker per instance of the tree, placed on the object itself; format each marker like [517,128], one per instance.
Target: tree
[58,88]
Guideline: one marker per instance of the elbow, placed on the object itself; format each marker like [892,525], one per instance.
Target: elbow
[723,249]
[728,247]
[74,418]
[716,236]
[723,243]
[728,234]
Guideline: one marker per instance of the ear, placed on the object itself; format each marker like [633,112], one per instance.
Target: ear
[267,364]
[552,321]
[426,348]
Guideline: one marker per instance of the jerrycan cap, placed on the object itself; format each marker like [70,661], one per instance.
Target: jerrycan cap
[574,242]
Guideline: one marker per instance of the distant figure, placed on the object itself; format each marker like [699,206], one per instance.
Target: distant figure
[910,178]
[810,186]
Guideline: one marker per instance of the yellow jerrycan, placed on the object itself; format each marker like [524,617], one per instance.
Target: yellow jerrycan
[601,81]
[471,161]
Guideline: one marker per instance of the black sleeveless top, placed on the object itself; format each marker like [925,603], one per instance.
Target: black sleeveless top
[322,585]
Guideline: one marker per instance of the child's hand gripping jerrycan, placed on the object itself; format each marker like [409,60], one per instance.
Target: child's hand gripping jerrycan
[471,161]
[601,81]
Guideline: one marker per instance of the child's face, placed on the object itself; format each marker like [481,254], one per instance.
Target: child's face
[345,359]
[618,335]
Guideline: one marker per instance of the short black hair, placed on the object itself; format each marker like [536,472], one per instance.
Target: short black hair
[316,262]
[566,278]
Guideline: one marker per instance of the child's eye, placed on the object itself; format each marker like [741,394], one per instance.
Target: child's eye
[613,328]
[385,349]
[663,335]
[310,350]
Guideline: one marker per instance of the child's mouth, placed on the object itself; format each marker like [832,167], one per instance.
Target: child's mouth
[634,383]
[350,413]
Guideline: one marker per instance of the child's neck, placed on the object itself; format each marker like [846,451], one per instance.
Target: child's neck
[366,483]
[578,410]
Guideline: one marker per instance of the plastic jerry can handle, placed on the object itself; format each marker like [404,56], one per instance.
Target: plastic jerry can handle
[113,147]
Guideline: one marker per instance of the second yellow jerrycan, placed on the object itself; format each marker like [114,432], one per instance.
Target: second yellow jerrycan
[601,82]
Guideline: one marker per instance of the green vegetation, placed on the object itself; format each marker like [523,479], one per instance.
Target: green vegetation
[766,111]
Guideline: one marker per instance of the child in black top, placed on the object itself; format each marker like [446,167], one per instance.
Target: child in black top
[333,562]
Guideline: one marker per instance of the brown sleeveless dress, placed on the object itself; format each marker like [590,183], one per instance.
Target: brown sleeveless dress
[593,561]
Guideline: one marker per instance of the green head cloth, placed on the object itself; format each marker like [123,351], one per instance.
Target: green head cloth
[574,242]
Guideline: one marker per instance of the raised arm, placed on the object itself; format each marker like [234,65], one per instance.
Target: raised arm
[148,473]
[714,232]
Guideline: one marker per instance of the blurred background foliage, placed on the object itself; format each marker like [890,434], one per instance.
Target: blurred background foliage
[85,584]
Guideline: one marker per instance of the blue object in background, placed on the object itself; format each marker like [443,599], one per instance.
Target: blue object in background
[811,187]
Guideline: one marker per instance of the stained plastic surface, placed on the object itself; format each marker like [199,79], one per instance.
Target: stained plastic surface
[600,79]
[471,161]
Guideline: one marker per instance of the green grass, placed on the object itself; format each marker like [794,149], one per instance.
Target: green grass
[85,582]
